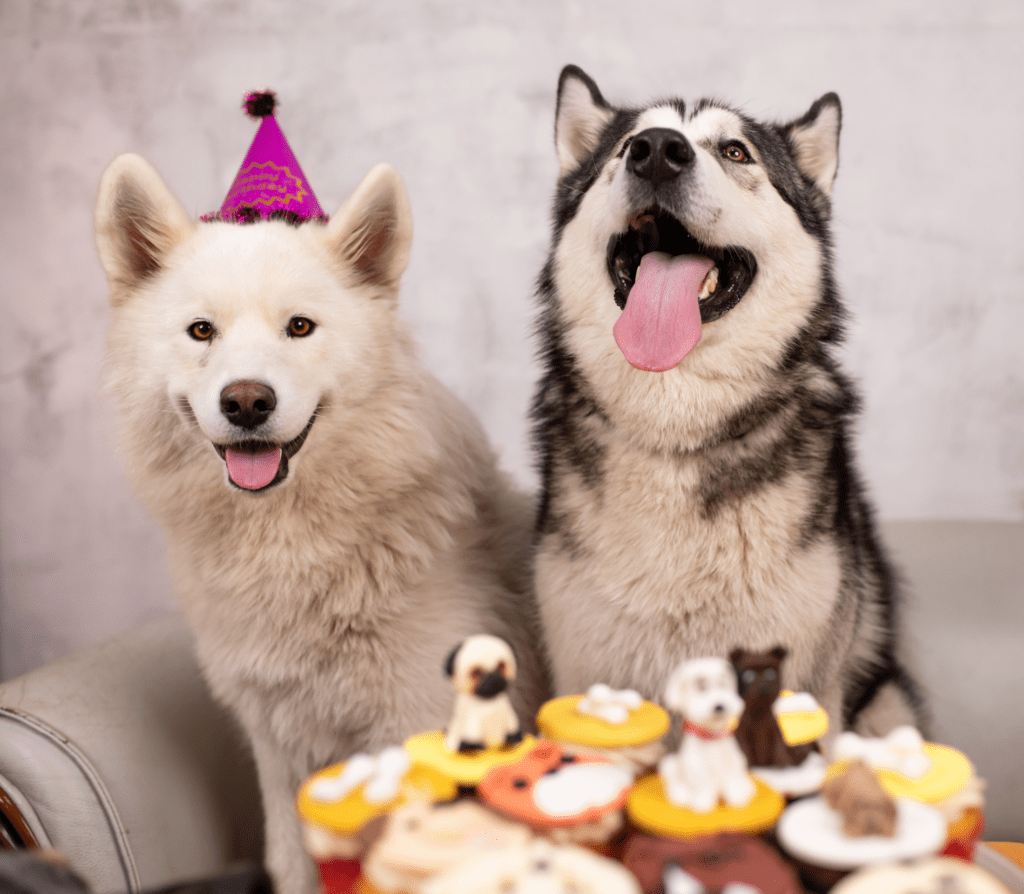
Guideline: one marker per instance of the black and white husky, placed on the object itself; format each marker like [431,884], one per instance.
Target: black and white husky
[692,426]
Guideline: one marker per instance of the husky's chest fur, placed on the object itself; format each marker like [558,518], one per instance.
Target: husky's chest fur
[698,490]
[671,539]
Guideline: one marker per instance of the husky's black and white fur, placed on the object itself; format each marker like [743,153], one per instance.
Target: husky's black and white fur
[715,504]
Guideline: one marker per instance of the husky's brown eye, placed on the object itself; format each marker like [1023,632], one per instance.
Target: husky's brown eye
[201,330]
[300,327]
[735,152]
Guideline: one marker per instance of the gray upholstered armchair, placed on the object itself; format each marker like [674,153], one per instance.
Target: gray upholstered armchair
[118,757]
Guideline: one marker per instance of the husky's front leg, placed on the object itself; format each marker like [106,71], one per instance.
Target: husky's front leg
[290,867]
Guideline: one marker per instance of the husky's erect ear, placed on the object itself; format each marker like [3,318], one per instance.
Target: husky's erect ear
[371,233]
[815,141]
[137,223]
[580,118]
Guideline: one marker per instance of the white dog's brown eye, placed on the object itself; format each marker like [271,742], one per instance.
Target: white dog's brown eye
[736,152]
[300,327]
[201,330]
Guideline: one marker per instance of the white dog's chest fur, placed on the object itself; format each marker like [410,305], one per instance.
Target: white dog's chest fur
[342,633]
[640,547]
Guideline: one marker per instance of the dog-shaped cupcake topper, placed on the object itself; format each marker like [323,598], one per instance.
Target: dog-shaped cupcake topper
[709,764]
[481,668]
[759,677]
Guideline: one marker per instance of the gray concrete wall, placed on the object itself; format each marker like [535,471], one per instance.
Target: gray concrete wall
[459,96]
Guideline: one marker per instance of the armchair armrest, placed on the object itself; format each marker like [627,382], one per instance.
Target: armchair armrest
[118,757]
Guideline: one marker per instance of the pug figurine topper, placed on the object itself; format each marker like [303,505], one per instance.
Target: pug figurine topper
[481,669]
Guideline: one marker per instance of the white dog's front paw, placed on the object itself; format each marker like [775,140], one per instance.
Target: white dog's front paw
[681,795]
[703,800]
[739,791]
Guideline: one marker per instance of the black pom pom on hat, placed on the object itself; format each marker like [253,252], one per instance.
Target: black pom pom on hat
[260,104]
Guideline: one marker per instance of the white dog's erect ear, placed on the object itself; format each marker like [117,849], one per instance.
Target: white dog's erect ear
[371,234]
[137,223]
[580,118]
[815,141]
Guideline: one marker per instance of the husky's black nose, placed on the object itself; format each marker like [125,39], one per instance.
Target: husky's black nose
[247,404]
[658,154]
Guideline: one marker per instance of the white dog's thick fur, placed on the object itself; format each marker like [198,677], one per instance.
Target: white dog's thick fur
[709,765]
[324,604]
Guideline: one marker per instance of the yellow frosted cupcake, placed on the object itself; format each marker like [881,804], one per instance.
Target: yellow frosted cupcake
[938,775]
[337,805]
[618,724]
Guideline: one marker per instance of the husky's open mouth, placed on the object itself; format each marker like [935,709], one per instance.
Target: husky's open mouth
[258,465]
[668,284]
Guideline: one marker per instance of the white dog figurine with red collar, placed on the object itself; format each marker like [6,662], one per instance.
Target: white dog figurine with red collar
[709,764]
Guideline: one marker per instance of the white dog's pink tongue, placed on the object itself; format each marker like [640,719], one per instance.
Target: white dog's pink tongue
[253,470]
[661,322]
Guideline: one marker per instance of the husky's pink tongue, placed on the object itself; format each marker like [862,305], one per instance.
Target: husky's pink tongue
[253,470]
[661,322]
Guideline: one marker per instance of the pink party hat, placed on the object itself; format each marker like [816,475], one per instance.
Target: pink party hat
[270,182]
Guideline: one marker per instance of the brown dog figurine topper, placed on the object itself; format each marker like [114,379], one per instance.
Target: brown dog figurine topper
[865,807]
[481,668]
[759,676]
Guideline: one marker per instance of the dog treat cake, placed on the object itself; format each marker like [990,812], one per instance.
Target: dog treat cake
[616,723]
[538,866]
[481,807]
[484,731]
[937,876]
[705,787]
[421,840]
[939,775]
[855,823]
[570,798]
[711,862]
[339,806]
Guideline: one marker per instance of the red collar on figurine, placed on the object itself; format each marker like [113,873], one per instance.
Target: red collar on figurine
[701,732]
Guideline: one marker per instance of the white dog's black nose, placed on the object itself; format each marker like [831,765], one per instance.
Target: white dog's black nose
[247,404]
[659,154]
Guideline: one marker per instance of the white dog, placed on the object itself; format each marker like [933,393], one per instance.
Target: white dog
[481,669]
[335,517]
[709,763]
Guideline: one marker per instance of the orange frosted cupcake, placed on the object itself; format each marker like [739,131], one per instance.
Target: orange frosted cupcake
[569,798]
